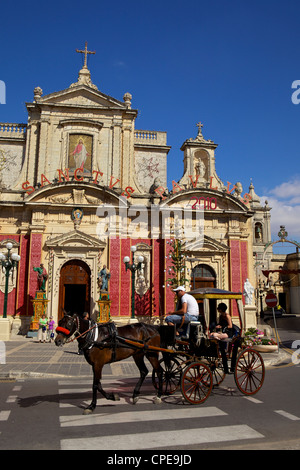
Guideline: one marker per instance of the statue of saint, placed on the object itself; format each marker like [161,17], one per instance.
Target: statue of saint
[104,276]
[41,277]
[248,292]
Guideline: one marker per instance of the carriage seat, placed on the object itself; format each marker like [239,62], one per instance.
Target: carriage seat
[192,327]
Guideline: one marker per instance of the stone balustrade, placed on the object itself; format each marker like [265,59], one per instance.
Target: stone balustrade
[12,130]
[150,137]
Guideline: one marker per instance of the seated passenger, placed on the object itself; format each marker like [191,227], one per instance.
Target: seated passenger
[224,327]
[187,311]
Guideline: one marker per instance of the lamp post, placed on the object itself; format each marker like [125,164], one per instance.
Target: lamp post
[8,262]
[133,268]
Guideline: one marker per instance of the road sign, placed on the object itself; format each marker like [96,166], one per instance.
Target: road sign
[271,300]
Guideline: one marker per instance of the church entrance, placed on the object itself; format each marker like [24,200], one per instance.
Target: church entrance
[74,288]
[204,276]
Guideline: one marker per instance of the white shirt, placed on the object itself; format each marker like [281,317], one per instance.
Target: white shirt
[192,305]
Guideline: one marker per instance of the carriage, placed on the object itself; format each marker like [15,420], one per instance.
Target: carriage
[196,363]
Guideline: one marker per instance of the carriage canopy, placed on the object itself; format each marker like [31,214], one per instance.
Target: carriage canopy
[206,293]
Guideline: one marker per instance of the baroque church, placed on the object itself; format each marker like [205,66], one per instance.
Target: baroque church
[80,185]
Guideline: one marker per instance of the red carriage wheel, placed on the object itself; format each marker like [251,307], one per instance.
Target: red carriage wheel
[249,372]
[171,375]
[217,370]
[196,382]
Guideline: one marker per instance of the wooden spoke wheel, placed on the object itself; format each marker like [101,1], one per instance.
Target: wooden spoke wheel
[196,382]
[171,375]
[249,372]
[217,370]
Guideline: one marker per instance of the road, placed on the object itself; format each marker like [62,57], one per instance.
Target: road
[47,414]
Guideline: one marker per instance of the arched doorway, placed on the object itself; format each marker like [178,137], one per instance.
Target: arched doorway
[74,288]
[204,276]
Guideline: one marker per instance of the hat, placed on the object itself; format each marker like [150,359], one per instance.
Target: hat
[179,288]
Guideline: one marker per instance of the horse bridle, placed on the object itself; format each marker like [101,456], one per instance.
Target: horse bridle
[66,331]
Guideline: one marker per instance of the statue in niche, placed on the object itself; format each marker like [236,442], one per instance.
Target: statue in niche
[200,169]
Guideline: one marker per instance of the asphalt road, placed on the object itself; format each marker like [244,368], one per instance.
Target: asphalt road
[46,414]
[42,414]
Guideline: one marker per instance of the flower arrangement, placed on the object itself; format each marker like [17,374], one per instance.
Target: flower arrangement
[255,337]
[252,341]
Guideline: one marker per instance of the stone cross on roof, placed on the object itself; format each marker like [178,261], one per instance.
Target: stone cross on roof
[85,52]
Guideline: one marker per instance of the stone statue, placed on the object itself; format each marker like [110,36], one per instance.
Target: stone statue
[41,277]
[248,292]
[104,276]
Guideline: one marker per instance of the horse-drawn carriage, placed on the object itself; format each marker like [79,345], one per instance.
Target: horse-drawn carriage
[195,362]
[198,363]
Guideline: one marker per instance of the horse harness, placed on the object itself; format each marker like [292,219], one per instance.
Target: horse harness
[111,341]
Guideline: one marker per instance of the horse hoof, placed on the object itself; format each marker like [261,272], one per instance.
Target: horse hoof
[157,400]
[87,411]
[135,400]
[116,397]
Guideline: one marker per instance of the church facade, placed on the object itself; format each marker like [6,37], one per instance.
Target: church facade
[80,185]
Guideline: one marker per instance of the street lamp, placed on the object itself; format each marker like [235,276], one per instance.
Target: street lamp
[133,268]
[8,262]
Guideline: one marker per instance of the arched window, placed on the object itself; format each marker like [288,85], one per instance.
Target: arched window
[258,232]
[203,276]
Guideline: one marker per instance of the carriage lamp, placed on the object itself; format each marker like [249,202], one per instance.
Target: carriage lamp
[8,263]
[133,268]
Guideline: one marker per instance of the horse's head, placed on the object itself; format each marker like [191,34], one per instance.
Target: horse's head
[66,328]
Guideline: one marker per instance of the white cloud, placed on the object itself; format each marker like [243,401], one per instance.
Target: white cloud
[284,200]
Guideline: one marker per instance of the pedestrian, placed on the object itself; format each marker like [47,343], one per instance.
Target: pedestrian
[50,335]
[187,309]
[42,331]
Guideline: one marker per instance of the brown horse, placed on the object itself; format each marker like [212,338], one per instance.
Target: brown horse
[104,343]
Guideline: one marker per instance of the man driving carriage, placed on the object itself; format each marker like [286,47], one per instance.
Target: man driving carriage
[187,309]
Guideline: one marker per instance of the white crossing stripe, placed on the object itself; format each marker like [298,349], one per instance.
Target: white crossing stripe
[287,415]
[154,440]
[254,400]
[4,415]
[138,416]
[11,399]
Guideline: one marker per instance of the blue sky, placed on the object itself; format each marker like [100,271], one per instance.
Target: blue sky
[229,64]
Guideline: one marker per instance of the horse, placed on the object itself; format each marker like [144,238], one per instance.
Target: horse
[104,343]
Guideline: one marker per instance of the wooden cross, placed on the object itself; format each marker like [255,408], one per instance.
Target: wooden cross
[85,52]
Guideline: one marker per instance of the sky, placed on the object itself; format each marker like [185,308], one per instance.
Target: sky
[229,64]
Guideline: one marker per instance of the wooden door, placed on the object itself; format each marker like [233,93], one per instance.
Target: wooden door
[74,288]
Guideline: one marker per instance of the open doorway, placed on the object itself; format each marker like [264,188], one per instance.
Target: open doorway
[74,288]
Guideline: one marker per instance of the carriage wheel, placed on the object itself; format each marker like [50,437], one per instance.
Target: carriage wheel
[196,382]
[217,370]
[171,375]
[249,372]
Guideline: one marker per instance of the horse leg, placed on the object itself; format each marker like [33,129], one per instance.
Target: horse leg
[153,359]
[139,360]
[98,387]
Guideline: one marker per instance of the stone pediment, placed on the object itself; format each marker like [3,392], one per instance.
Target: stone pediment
[207,199]
[75,239]
[207,244]
[81,95]
[71,194]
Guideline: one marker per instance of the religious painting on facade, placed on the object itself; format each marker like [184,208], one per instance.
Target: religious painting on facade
[80,152]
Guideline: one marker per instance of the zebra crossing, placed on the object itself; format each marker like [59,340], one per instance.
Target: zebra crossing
[117,426]
[122,426]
